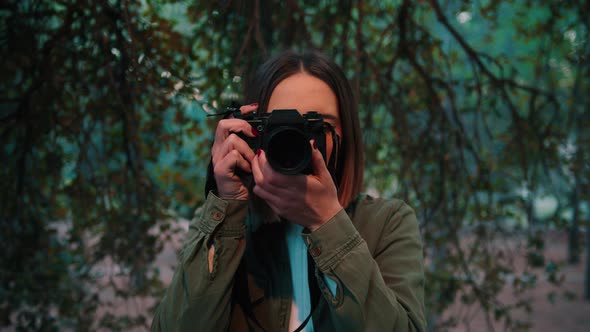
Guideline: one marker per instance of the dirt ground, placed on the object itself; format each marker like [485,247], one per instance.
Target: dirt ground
[567,315]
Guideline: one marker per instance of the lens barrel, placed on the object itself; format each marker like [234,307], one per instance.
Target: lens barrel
[287,150]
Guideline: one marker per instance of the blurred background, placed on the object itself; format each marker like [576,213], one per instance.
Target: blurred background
[474,112]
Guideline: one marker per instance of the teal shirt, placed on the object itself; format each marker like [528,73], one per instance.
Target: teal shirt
[299,270]
[298,260]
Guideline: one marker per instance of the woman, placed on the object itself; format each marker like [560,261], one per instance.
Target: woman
[318,256]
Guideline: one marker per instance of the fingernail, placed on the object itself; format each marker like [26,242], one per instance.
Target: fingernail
[254,105]
[314,146]
[258,152]
[255,132]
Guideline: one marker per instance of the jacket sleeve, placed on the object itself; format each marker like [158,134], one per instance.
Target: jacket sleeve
[197,298]
[379,291]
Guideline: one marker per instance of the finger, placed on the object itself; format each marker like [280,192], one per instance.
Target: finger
[318,163]
[256,171]
[233,142]
[232,161]
[248,108]
[226,127]
[263,162]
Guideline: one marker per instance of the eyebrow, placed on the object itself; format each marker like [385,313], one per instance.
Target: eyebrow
[330,117]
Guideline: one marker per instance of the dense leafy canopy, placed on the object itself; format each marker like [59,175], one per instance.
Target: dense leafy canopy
[472,111]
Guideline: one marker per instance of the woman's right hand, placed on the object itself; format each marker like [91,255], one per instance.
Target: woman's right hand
[230,153]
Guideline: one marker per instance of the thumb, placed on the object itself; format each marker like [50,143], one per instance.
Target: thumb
[318,163]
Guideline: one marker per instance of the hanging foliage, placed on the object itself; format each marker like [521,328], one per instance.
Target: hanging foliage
[470,111]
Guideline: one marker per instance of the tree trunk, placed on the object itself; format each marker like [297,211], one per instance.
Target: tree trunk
[574,230]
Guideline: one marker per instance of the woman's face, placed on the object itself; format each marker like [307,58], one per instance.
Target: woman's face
[306,93]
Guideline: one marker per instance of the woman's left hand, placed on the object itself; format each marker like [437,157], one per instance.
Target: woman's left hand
[308,200]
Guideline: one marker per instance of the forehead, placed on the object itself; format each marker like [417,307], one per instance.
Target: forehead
[305,93]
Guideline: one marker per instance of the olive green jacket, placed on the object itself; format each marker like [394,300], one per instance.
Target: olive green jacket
[375,258]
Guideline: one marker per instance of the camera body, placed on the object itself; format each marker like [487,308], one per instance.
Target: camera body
[284,137]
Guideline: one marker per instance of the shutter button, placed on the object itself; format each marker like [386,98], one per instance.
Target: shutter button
[315,251]
[217,215]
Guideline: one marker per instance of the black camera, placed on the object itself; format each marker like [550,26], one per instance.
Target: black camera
[284,137]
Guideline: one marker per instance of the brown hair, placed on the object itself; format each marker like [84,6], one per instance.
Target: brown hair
[349,175]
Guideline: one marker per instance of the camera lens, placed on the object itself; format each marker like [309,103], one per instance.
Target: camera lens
[288,150]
